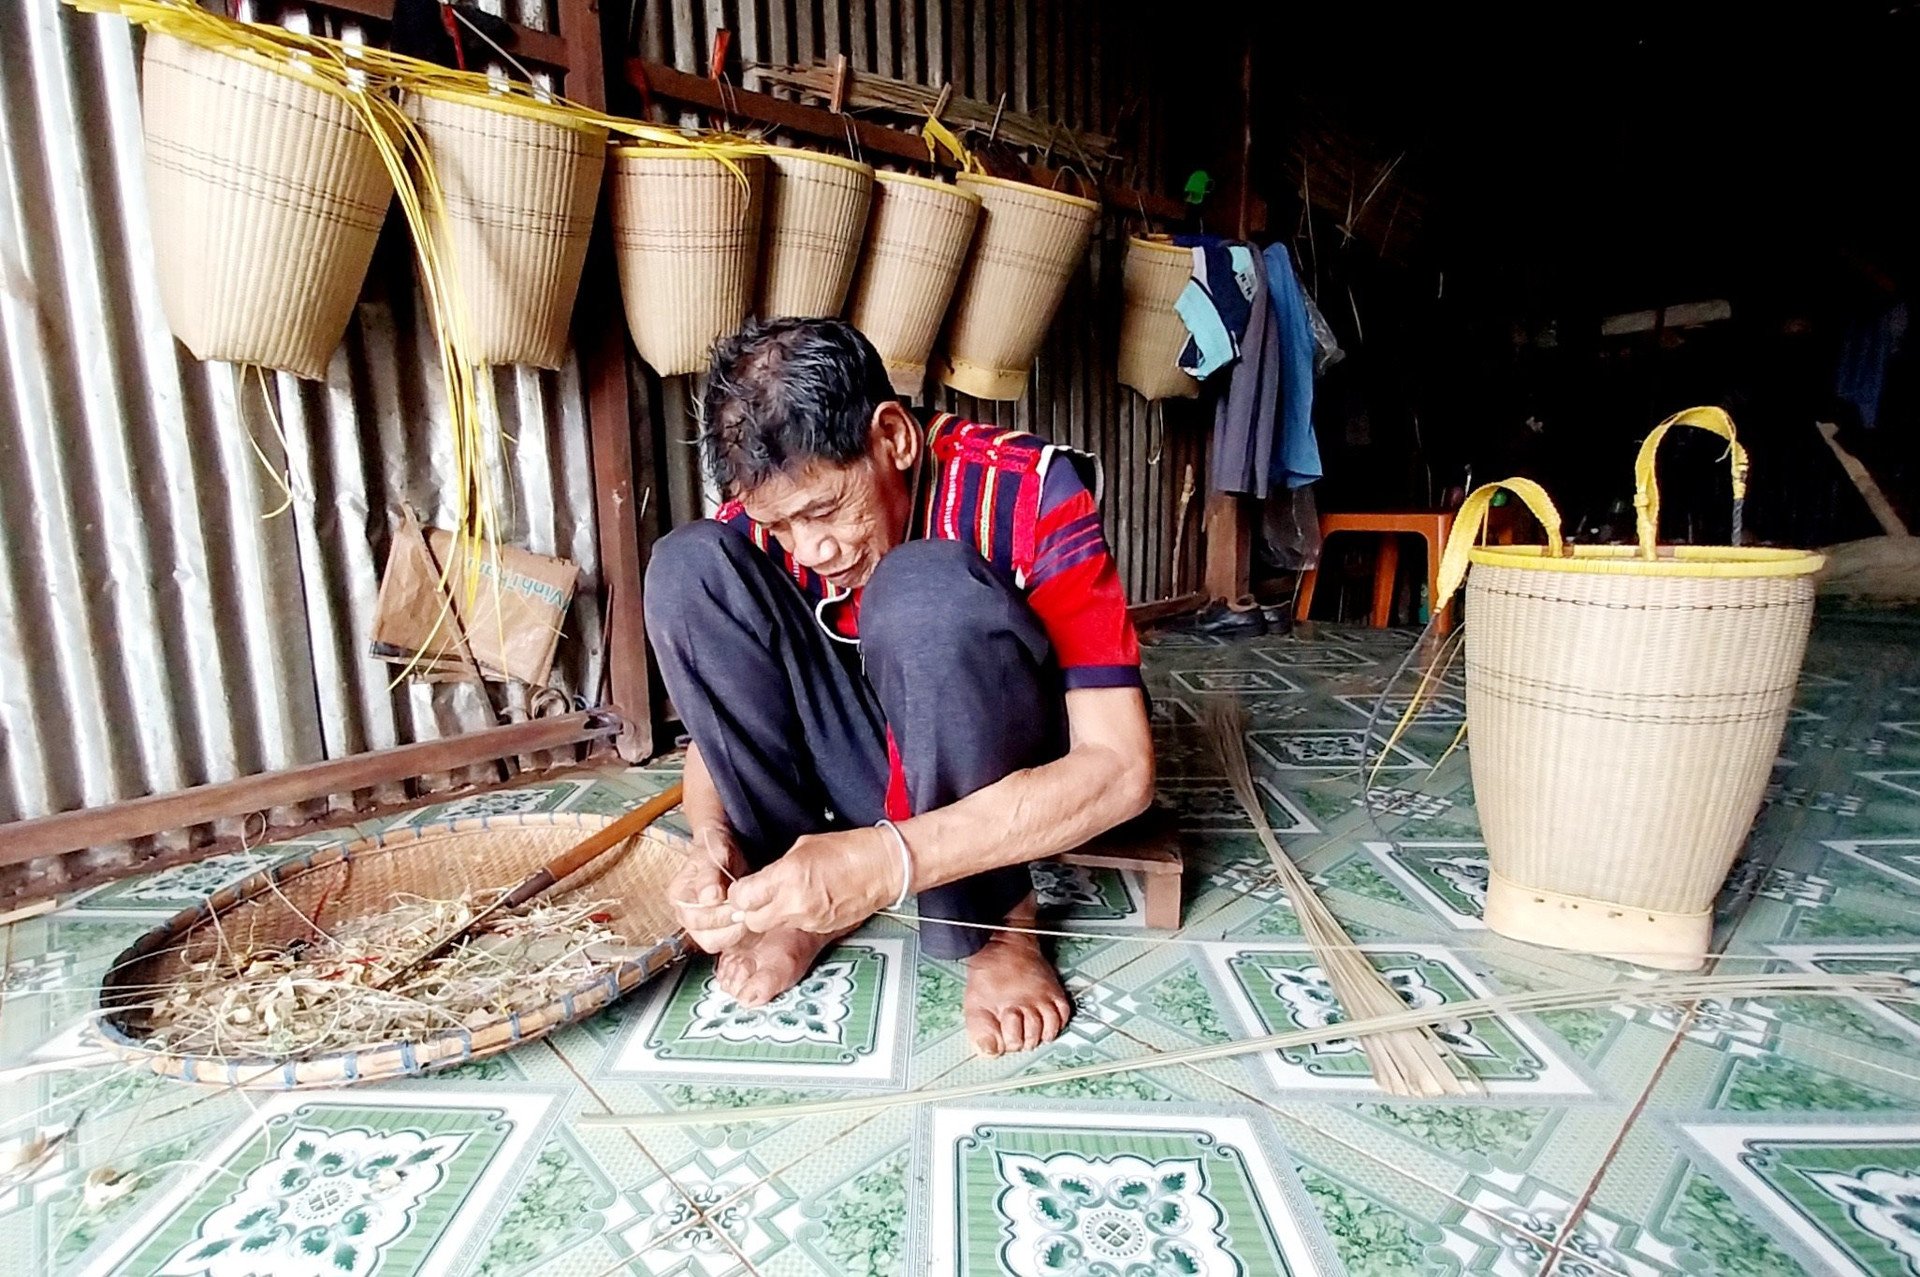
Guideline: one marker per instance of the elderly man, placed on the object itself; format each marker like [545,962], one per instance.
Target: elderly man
[904,658]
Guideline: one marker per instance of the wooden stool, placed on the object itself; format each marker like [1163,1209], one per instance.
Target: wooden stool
[1149,846]
[1434,526]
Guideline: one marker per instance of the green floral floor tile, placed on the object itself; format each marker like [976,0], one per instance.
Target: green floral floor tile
[1277,988]
[1843,1194]
[1034,1192]
[847,1024]
[389,1183]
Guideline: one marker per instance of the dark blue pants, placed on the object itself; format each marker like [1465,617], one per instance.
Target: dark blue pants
[792,724]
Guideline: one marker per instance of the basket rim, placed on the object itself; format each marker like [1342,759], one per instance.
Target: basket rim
[709,151]
[914,179]
[1162,244]
[987,179]
[804,153]
[343,1066]
[510,104]
[292,68]
[1725,561]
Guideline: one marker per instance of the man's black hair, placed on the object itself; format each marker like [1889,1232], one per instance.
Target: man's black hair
[782,392]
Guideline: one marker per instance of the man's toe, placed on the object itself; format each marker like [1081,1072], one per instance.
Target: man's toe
[757,990]
[983,1030]
[733,973]
[1051,1021]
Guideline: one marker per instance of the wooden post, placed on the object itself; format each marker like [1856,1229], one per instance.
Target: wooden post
[1229,546]
[1229,522]
[599,333]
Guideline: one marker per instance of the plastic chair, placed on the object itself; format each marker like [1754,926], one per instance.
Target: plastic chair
[1433,525]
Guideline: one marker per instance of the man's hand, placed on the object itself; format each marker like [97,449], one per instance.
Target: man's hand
[826,884]
[699,891]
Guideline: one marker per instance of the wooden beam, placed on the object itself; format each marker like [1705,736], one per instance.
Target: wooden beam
[599,336]
[1229,518]
[1229,546]
[529,45]
[157,813]
[663,81]
[1148,613]
[97,875]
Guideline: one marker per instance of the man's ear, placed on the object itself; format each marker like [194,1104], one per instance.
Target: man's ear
[896,440]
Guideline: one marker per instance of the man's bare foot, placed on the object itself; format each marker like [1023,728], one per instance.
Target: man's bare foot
[764,967]
[1014,998]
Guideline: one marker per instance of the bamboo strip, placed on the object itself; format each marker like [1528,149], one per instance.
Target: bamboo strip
[867,91]
[1634,993]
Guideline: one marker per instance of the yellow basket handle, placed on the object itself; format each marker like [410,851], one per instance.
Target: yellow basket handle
[1471,522]
[938,136]
[1646,485]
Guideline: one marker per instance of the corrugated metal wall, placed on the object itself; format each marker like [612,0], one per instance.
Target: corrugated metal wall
[161,626]
[1082,63]
[157,628]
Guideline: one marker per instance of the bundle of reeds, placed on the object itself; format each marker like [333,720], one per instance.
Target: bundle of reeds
[1411,1061]
[868,92]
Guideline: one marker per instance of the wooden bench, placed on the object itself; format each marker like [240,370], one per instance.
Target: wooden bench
[1149,846]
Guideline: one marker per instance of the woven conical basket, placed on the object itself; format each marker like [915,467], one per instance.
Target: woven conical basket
[816,214]
[1151,334]
[686,231]
[1625,706]
[1030,243]
[520,182]
[916,247]
[266,195]
[438,861]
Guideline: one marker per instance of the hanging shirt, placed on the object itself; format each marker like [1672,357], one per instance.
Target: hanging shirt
[1216,305]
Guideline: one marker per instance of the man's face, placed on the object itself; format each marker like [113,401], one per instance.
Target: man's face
[840,520]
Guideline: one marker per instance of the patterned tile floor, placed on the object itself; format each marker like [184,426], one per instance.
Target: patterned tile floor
[1759,1139]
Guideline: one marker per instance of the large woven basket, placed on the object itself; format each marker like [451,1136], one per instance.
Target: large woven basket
[816,214]
[1030,243]
[440,861]
[1625,705]
[1151,334]
[916,246]
[520,181]
[686,230]
[266,195]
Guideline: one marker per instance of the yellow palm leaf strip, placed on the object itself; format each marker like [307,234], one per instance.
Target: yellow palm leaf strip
[1410,1063]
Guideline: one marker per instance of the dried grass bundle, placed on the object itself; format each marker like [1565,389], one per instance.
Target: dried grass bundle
[1409,1062]
[330,991]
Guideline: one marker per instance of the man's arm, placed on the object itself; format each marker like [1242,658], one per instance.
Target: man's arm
[830,882]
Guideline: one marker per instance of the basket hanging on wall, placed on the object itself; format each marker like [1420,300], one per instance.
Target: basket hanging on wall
[274,907]
[1030,243]
[916,246]
[815,216]
[686,232]
[520,182]
[266,195]
[1151,334]
[1625,706]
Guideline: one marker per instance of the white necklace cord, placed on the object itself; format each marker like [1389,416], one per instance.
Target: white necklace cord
[906,862]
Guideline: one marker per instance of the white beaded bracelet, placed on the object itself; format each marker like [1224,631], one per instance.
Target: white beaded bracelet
[906,862]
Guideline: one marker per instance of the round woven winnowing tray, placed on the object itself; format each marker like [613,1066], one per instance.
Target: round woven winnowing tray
[353,878]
